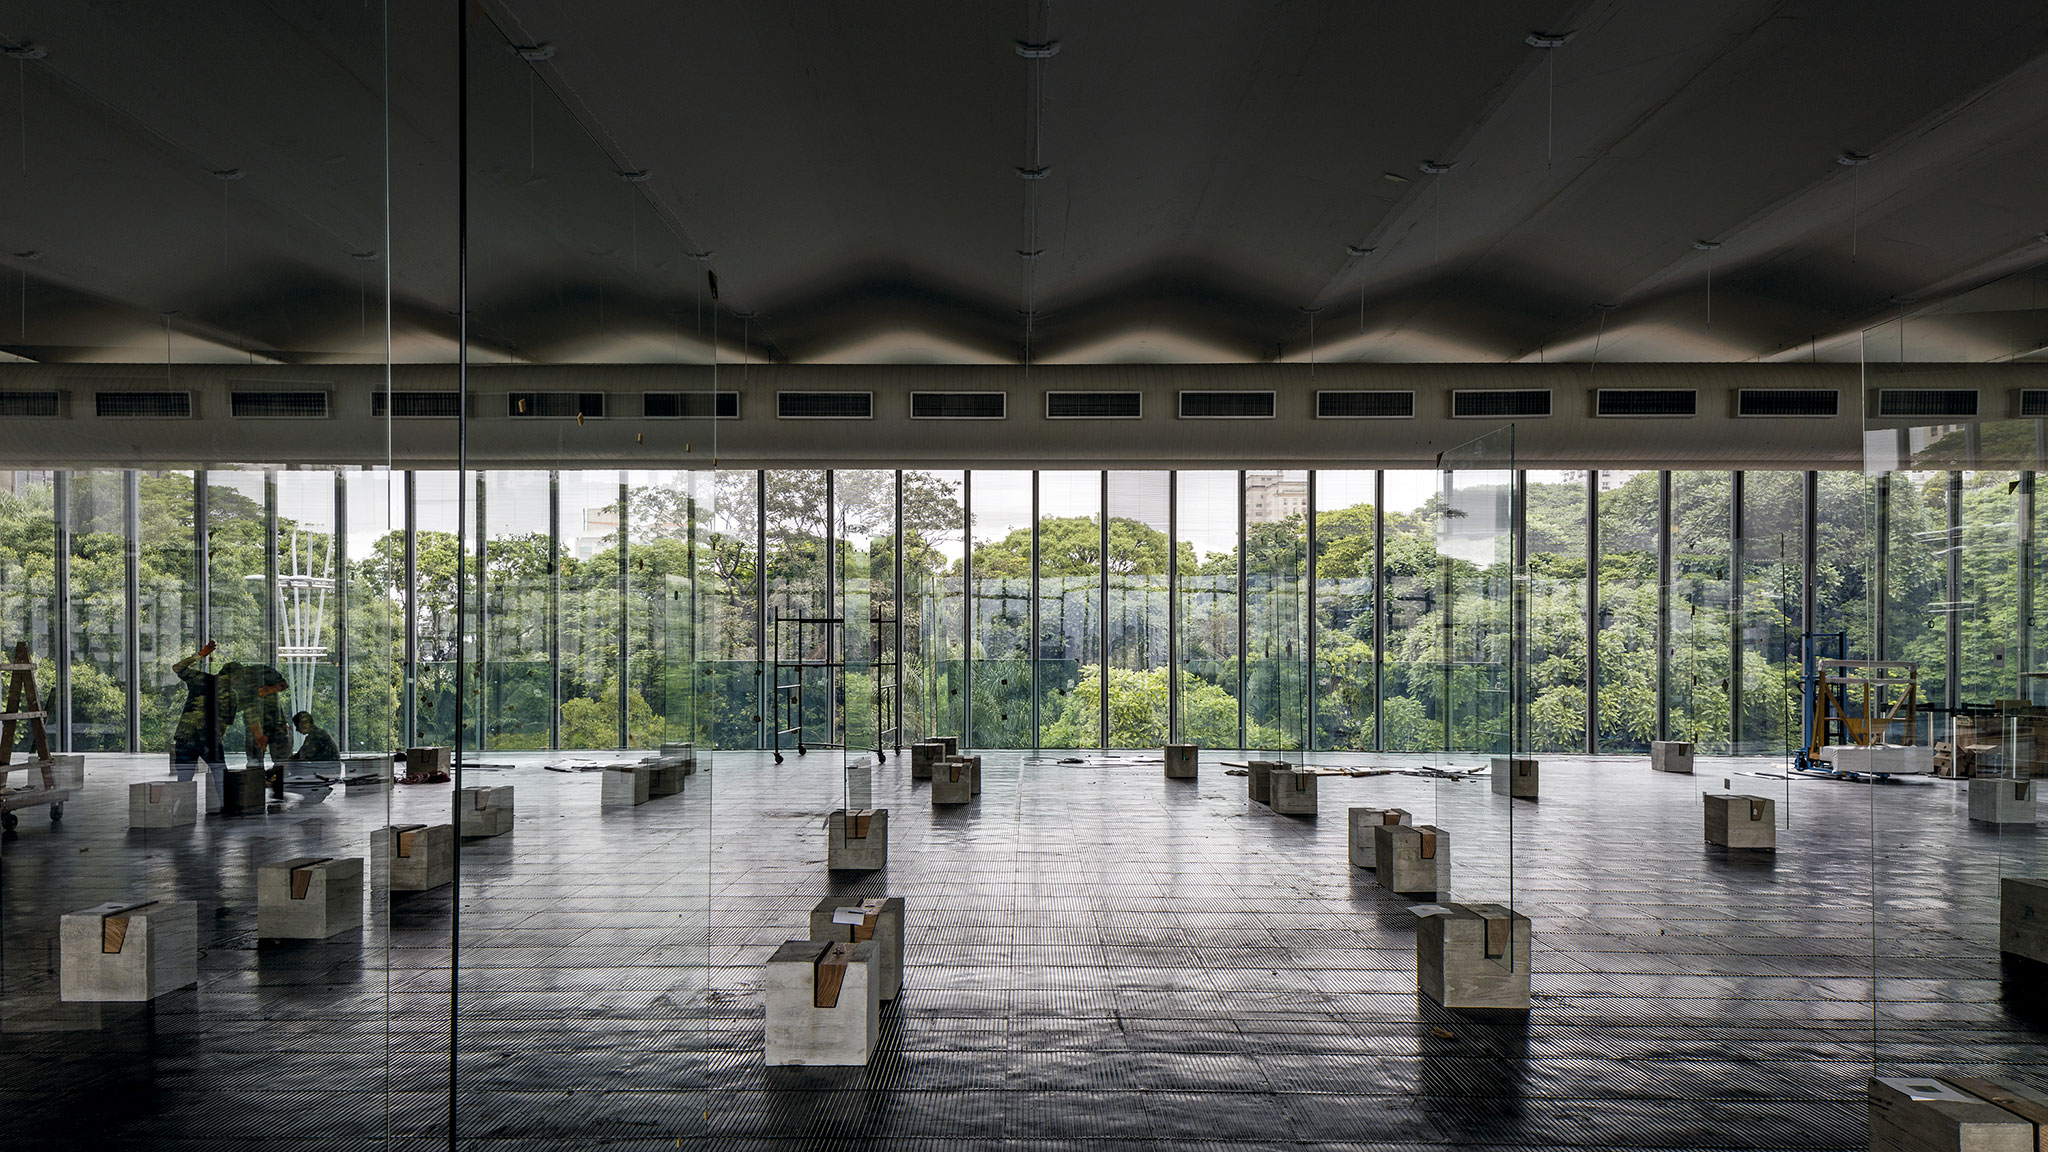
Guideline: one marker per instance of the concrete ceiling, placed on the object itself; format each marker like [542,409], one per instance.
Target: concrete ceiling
[1221,183]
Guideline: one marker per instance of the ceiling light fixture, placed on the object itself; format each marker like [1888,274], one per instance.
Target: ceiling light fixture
[1358,249]
[31,254]
[534,53]
[1045,51]
[703,257]
[370,255]
[1034,173]
[1548,39]
[638,176]
[1850,158]
[1433,168]
[1034,254]
[26,52]
[228,174]
[1707,245]
[1393,177]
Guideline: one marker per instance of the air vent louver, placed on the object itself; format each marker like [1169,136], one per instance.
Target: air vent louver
[1093,405]
[1365,405]
[142,405]
[1646,402]
[1927,402]
[31,404]
[2033,402]
[688,405]
[959,405]
[825,405]
[1503,404]
[556,405]
[1786,402]
[434,405]
[298,405]
[1226,405]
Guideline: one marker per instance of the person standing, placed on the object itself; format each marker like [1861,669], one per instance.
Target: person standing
[197,738]
[258,694]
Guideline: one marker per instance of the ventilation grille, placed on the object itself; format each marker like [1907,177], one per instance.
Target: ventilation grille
[1498,404]
[1365,405]
[142,405]
[825,405]
[31,404]
[2034,402]
[556,405]
[278,405]
[416,405]
[688,405]
[1927,402]
[1226,405]
[1093,405]
[959,405]
[1786,401]
[1646,402]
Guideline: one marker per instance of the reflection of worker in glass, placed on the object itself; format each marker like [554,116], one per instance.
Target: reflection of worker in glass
[319,747]
[258,694]
[196,740]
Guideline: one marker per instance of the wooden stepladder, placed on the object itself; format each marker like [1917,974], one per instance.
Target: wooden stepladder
[25,703]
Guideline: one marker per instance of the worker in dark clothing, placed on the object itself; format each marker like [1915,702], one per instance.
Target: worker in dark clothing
[197,738]
[258,695]
[319,747]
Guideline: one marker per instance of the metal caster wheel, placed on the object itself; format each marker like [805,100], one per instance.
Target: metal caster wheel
[802,751]
[9,821]
[778,757]
[56,813]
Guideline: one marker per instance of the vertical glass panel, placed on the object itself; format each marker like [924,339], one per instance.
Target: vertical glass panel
[1701,550]
[1772,595]
[660,597]
[98,681]
[1987,621]
[1001,595]
[166,611]
[593,613]
[1554,691]
[1913,625]
[515,612]
[1206,520]
[28,568]
[802,696]
[1412,717]
[1136,567]
[934,620]
[729,568]
[864,502]
[1627,619]
[1276,609]
[373,605]
[436,618]
[1070,609]
[1346,523]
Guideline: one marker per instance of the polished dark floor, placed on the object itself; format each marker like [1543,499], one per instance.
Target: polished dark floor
[1096,956]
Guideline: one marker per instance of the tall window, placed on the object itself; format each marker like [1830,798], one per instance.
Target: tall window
[1554,689]
[1700,618]
[1135,612]
[934,622]
[1343,680]
[1070,609]
[1206,519]
[1001,599]
[1627,619]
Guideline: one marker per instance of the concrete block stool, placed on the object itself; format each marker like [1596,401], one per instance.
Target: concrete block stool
[683,754]
[2023,918]
[310,898]
[823,1002]
[951,744]
[67,769]
[1181,760]
[1412,859]
[1363,821]
[1671,756]
[1514,777]
[415,857]
[1473,956]
[1915,1113]
[428,760]
[627,786]
[163,804]
[2000,801]
[952,781]
[1258,779]
[242,792]
[857,841]
[974,774]
[1292,791]
[1735,821]
[486,811]
[664,777]
[128,951]
[852,919]
[923,754]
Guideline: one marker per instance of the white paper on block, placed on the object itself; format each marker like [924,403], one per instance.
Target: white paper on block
[849,915]
[1427,910]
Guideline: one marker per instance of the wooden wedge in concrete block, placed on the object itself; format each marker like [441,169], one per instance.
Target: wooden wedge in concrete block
[1671,756]
[1926,1113]
[486,811]
[413,857]
[2023,918]
[857,840]
[853,919]
[1473,956]
[1412,859]
[163,803]
[951,744]
[952,782]
[2002,801]
[1737,821]
[1515,777]
[923,754]
[1362,822]
[309,898]
[627,786]
[128,951]
[822,1003]
[1181,761]
[1292,791]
